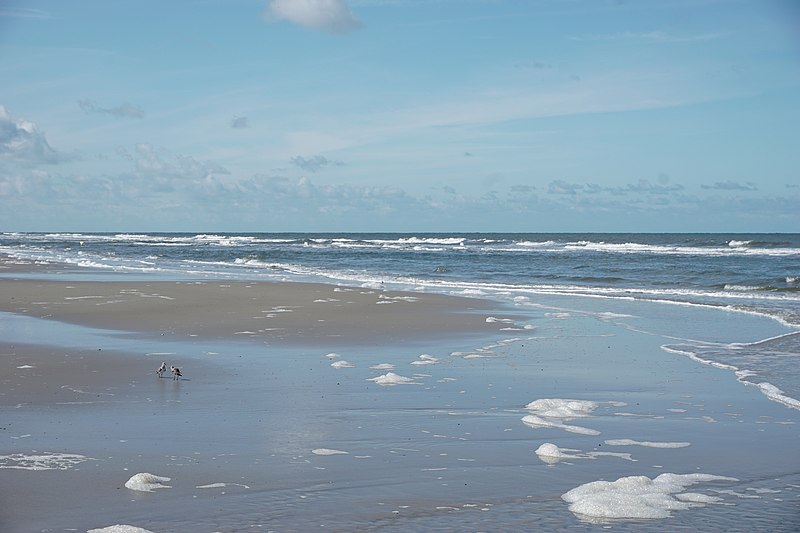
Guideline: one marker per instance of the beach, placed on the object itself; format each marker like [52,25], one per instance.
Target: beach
[336,407]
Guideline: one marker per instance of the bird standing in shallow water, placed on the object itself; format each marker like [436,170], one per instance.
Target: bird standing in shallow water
[176,372]
[161,370]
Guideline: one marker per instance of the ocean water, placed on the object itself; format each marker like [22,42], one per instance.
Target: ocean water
[743,273]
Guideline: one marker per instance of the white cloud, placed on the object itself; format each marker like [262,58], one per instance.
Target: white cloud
[333,16]
[653,188]
[159,164]
[21,141]
[562,187]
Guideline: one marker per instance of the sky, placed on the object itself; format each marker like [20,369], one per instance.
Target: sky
[400,115]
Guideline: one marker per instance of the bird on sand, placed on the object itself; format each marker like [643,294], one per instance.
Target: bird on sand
[176,372]
[161,370]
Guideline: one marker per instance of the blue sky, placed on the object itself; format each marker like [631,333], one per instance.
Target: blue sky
[400,115]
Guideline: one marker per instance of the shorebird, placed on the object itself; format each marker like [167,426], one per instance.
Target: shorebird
[161,370]
[176,372]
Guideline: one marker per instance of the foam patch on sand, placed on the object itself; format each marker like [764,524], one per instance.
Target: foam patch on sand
[552,412]
[390,378]
[146,482]
[630,442]
[41,461]
[639,497]
[120,528]
[383,366]
[343,364]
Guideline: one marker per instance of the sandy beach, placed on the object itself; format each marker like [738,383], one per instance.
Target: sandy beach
[314,407]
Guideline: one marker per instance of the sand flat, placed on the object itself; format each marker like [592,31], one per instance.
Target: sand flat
[278,312]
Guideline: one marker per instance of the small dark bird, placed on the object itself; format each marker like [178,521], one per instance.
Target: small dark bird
[176,372]
[161,370]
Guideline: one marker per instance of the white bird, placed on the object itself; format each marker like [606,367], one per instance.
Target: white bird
[161,370]
[176,372]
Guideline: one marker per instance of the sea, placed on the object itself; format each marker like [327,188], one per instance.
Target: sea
[757,274]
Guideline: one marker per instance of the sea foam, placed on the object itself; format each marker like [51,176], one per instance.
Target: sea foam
[426,359]
[390,378]
[120,528]
[41,461]
[551,413]
[637,497]
[146,482]
[328,451]
[551,454]
[631,442]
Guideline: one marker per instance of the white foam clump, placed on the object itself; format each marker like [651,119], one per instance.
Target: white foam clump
[146,482]
[383,366]
[328,451]
[426,359]
[342,364]
[560,408]
[552,454]
[638,497]
[631,442]
[221,485]
[120,528]
[551,412]
[390,378]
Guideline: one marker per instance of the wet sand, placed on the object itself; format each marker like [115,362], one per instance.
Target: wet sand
[272,312]
[264,432]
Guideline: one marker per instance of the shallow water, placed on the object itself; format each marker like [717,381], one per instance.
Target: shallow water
[447,452]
